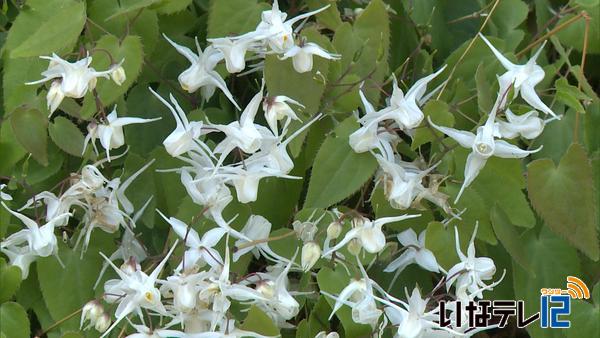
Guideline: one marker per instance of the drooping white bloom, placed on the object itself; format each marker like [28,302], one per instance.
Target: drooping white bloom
[134,290]
[201,74]
[302,56]
[243,134]
[470,273]
[404,109]
[234,51]
[324,334]
[257,228]
[369,233]
[359,295]
[200,251]
[110,132]
[145,332]
[276,108]
[369,136]
[483,146]
[20,256]
[129,248]
[276,30]
[40,240]
[523,78]
[183,138]
[412,318]
[528,125]
[415,252]
[76,79]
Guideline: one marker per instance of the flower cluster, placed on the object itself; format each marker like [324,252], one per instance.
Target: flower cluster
[194,292]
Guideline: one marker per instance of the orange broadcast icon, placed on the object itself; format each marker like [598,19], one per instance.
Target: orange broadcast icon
[576,288]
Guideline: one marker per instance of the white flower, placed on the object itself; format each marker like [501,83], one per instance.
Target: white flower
[234,51]
[134,291]
[528,125]
[183,138]
[324,334]
[77,78]
[311,252]
[415,252]
[91,311]
[200,251]
[358,294]
[103,323]
[412,319]
[243,134]
[523,78]
[302,56]
[4,196]
[483,146]
[128,248]
[276,108]
[145,332]
[278,32]
[470,273]
[257,228]
[40,239]
[110,132]
[201,74]
[246,181]
[369,233]
[404,109]
[369,136]
[20,256]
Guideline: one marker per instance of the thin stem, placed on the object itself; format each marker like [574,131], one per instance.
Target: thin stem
[468,48]
[266,240]
[60,322]
[550,33]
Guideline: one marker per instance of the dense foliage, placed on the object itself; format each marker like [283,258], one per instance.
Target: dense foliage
[228,168]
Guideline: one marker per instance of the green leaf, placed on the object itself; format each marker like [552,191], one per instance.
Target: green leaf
[46,26]
[13,318]
[570,95]
[257,321]
[584,316]
[145,24]
[573,34]
[10,279]
[440,115]
[66,136]
[372,34]
[564,197]
[11,150]
[233,17]
[564,262]
[130,6]
[509,237]
[171,6]
[72,334]
[330,18]
[333,282]
[29,126]
[130,50]
[338,171]
[66,290]
[16,72]
[500,182]
[441,241]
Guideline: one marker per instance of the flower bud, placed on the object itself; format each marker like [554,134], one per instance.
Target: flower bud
[103,323]
[118,75]
[55,96]
[311,252]
[354,246]
[91,311]
[334,230]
